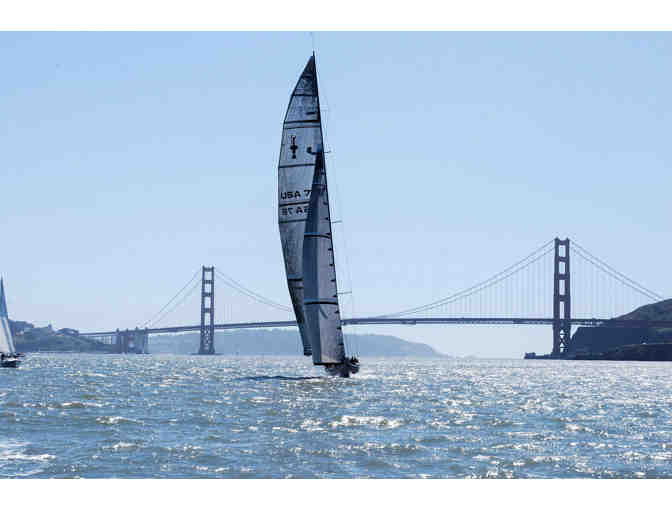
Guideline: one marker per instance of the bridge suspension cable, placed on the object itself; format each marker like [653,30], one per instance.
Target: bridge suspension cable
[525,289]
[189,288]
[524,293]
[513,269]
[160,315]
[230,282]
[617,275]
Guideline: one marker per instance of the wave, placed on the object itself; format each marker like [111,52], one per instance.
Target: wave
[376,421]
[116,420]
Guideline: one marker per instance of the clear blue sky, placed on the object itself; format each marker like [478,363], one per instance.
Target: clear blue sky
[127,160]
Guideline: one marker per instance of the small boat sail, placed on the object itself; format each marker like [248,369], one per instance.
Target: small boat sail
[305,229]
[9,358]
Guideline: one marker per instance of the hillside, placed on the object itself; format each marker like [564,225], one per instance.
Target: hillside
[662,310]
[274,342]
[610,339]
[281,342]
[28,338]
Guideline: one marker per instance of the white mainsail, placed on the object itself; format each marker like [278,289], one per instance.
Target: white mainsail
[301,134]
[6,341]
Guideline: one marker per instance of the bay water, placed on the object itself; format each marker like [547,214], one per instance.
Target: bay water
[175,416]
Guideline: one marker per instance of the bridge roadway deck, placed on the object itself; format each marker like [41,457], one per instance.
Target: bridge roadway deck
[411,321]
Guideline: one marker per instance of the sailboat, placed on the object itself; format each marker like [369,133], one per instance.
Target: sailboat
[304,221]
[9,358]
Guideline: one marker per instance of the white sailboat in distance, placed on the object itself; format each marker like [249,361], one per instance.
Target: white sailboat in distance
[304,221]
[9,358]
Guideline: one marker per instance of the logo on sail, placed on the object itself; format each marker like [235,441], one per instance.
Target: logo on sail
[293,147]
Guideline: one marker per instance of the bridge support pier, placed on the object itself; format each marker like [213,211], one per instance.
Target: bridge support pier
[125,341]
[207,345]
[562,301]
[132,341]
[145,342]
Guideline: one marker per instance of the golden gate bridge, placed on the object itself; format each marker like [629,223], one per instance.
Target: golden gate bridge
[560,284]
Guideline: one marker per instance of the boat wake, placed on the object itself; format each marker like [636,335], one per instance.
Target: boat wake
[277,378]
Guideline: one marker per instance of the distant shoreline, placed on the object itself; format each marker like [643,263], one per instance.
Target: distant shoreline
[267,342]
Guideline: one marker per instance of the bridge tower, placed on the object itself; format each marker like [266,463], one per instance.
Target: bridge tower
[562,301]
[207,345]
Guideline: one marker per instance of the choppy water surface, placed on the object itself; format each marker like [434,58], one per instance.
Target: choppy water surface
[189,416]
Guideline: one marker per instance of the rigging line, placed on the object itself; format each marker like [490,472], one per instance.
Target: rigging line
[171,300]
[341,213]
[643,291]
[178,304]
[325,110]
[577,245]
[345,257]
[230,282]
[478,286]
